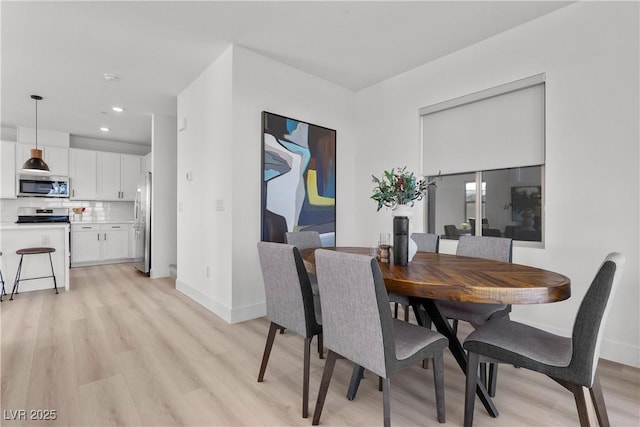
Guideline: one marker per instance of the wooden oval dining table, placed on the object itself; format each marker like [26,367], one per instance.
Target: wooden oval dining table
[430,277]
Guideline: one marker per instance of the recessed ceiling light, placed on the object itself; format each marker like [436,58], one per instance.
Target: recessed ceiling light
[104,129]
[117,109]
[110,77]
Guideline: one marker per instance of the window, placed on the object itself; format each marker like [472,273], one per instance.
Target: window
[511,204]
[470,198]
[490,149]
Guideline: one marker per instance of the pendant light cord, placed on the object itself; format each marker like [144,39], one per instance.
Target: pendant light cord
[36,98]
[36,123]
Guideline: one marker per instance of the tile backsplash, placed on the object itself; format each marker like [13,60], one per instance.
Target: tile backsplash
[95,210]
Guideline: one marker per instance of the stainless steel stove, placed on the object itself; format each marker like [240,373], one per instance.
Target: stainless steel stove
[30,215]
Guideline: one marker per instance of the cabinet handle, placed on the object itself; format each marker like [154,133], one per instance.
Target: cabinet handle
[73,193]
[86,228]
[98,236]
[115,226]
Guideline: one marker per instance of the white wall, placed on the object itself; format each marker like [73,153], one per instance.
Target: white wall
[204,175]
[108,145]
[164,194]
[262,84]
[221,148]
[592,156]
[56,138]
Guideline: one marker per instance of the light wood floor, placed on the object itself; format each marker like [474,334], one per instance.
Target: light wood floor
[121,349]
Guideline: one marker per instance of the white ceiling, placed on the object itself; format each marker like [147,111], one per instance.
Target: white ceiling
[60,50]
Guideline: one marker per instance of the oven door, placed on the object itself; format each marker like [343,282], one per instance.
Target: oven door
[43,186]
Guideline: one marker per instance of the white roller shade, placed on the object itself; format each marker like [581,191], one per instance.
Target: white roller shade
[497,128]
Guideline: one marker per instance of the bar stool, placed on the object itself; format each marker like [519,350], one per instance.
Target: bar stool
[33,251]
[3,292]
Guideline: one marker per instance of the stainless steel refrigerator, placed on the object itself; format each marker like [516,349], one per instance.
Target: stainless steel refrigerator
[142,224]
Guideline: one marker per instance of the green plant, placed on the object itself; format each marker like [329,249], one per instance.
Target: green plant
[399,187]
[524,201]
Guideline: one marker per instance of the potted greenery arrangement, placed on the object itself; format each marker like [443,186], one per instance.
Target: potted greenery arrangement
[399,189]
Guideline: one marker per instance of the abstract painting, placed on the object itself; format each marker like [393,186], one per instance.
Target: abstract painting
[298,179]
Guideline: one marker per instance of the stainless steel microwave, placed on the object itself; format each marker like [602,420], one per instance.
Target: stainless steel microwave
[42,186]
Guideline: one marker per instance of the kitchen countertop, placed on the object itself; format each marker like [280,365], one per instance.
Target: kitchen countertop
[14,226]
[102,222]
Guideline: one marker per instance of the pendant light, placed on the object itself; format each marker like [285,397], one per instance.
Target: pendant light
[35,162]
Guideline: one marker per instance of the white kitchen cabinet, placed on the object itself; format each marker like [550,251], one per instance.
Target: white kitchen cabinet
[57,158]
[82,174]
[117,176]
[94,243]
[8,171]
[130,173]
[147,162]
[115,243]
[85,243]
[23,153]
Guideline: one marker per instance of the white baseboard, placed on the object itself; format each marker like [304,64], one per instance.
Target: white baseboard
[111,261]
[229,315]
[620,352]
[207,302]
[157,273]
[248,312]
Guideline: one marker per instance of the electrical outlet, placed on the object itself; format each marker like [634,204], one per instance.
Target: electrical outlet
[45,240]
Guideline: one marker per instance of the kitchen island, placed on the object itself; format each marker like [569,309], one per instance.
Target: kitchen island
[17,236]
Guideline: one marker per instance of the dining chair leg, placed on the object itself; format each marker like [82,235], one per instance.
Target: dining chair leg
[395,310]
[438,380]
[598,402]
[386,401]
[305,377]
[493,379]
[473,360]
[356,376]
[267,350]
[483,373]
[581,401]
[324,385]
[321,345]
[405,308]
[420,315]
[581,404]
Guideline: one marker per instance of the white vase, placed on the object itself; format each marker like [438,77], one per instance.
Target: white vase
[413,248]
[402,210]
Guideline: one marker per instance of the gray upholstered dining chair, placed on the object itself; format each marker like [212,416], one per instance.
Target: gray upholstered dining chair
[426,242]
[364,332]
[308,240]
[495,248]
[571,362]
[289,304]
[303,239]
